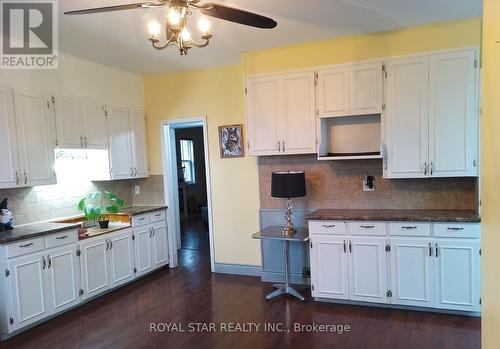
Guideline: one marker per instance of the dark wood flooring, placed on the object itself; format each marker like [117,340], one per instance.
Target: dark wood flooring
[190,293]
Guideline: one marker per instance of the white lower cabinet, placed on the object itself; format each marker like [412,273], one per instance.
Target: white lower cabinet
[121,258]
[143,249]
[94,266]
[160,244]
[151,242]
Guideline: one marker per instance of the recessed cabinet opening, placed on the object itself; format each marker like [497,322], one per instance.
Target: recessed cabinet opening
[350,137]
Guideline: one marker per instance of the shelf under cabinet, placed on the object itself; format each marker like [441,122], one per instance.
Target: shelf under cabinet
[351,156]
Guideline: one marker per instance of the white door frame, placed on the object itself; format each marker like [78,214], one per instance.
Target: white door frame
[170,181]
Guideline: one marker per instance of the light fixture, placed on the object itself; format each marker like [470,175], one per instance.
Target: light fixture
[177,33]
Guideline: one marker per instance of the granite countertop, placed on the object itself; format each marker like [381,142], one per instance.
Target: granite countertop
[33,230]
[395,215]
[135,210]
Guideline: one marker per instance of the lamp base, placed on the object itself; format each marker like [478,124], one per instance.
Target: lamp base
[288,231]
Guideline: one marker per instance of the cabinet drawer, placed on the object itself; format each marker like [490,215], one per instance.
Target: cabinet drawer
[140,220]
[366,228]
[63,238]
[157,216]
[409,229]
[24,247]
[457,230]
[327,227]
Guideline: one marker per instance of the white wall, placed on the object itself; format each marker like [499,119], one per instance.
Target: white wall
[81,78]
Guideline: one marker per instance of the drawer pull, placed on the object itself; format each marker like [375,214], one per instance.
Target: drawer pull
[61,237]
[345,249]
[141,219]
[328,225]
[407,227]
[368,226]
[158,215]
[455,228]
[27,245]
[430,249]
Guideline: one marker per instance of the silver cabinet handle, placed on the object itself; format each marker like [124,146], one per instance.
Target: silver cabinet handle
[17,178]
[345,248]
[61,237]
[432,167]
[279,146]
[283,146]
[107,244]
[367,226]
[27,245]
[81,141]
[437,251]
[135,171]
[110,244]
[50,262]
[350,246]
[455,228]
[154,232]
[86,141]
[131,172]
[425,168]
[430,249]
[406,227]
[44,263]
[141,219]
[158,215]
[25,177]
[328,225]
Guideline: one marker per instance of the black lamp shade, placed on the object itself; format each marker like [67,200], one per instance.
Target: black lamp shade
[287,185]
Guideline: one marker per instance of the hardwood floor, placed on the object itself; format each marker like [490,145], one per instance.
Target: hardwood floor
[190,293]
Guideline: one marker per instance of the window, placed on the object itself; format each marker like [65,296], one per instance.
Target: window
[187,160]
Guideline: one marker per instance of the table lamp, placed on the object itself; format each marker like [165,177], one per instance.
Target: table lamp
[288,185]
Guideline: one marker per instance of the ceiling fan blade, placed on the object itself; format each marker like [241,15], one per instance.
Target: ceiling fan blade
[238,16]
[111,8]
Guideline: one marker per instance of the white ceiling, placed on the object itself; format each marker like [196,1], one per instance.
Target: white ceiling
[119,39]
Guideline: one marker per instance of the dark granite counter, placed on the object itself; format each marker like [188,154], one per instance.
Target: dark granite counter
[135,210]
[34,230]
[395,215]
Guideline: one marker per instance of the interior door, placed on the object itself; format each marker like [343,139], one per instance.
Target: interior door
[457,274]
[143,250]
[263,100]
[62,268]
[333,91]
[368,269]
[365,88]
[412,270]
[36,136]
[9,171]
[329,267]
[120,142]
[93,124]
[139,143]
[27,289]
[454,114]
[299,120]
[94,266]
[406,123]
[68,123]
[121,257]
[160,240]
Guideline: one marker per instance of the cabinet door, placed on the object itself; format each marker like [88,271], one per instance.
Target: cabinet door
[68,123]
[333,91]
[121,258]
[9,171]
[94,266]
[329,267]
[406,123]
[368,269]
[63,283]
[365,89]
[412,271]
[160,244]
[143,250]
[120,142]
[453,114]
[139,143]
[27,289]
[93,124]
[298,122]
[263,112]
[457,274]
[36,137]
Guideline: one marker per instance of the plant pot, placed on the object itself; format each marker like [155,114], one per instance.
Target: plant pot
[104,224]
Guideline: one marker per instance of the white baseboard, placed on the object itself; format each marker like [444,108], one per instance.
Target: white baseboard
[237,269]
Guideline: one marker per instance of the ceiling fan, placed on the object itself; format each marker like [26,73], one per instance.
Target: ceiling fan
[179,11]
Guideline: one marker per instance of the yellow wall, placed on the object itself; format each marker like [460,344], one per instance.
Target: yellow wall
[218,94]
[490,175]
[438,36]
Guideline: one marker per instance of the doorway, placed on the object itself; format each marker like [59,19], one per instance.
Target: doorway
[187,188]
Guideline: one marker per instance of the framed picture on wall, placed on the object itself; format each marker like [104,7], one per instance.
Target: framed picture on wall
[231,141]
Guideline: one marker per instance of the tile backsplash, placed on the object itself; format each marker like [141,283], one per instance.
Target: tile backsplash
[41,203]
[338,184]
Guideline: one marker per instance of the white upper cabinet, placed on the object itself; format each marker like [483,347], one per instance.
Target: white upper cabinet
[36,137]
[93,120]
[407,118]
[9,171]
[453,114]
[431,124]
[139,142]
[350,89]
[68,122]
[120,142]
[365,88]
[333,91]
[280,114]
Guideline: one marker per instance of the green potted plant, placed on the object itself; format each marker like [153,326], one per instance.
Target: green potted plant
[99,204]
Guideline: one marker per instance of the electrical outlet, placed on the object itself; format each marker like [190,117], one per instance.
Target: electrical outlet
[137,190]
[369,183]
